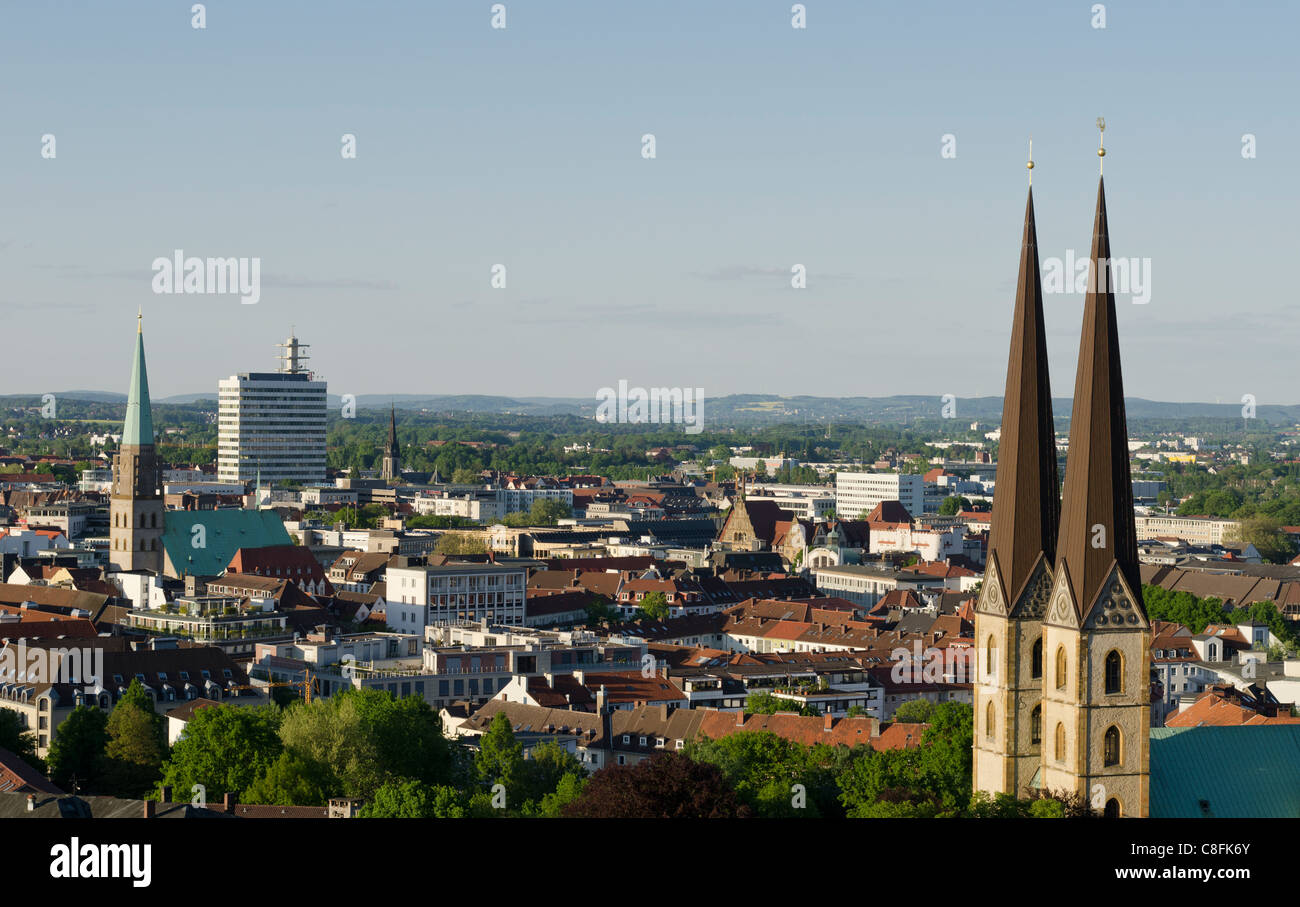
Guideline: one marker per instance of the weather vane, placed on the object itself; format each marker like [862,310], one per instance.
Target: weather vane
[1101,143]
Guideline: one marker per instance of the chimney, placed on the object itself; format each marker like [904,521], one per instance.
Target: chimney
[149,807]
[229,801]
[165,795]
[31,803]
[828,722]
[740,718]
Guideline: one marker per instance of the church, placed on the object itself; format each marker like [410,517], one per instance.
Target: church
[146,538]
[1062,696]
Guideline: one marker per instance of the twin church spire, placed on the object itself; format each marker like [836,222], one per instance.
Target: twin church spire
[1062,695]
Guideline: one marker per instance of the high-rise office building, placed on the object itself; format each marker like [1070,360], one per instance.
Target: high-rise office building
[857,493]
[272,424]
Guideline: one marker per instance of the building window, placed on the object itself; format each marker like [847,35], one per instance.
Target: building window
[1036,725]
[1060,667]
[988,720]
[988,657]
[1114,672]
[1060,742]
[1112,809]
[1110,746]
[1036,659]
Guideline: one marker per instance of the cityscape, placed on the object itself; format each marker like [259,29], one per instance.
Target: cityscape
[341,554]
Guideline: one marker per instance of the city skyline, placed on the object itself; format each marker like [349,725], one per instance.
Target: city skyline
[522,146]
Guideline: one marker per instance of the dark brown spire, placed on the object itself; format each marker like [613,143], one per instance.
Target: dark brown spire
[1097,507]
[392,427]
[1026,501]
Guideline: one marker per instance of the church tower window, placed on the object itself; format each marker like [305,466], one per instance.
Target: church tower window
[1111,746]
[1114,672]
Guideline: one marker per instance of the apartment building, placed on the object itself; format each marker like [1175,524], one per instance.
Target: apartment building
[456,592]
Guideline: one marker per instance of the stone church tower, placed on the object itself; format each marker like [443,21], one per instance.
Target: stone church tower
[136,503]
[1021,552]
[1062,695]
[1097,690]
[391,468]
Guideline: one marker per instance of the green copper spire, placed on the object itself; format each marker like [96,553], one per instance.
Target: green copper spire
[139,417]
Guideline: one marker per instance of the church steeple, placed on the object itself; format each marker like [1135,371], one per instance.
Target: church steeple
[136,504]
[139,416]
[1097,640]
[1022,543]
[391,467]
[1097,529]
[1026,505]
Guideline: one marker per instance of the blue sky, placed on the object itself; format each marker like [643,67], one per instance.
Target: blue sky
[521,146]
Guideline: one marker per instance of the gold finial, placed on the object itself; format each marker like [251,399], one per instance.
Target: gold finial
[1101,144]
[139,320]
[1030,165]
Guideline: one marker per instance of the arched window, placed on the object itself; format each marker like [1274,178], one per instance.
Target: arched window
[1110,746]
[988,657]
[1112,809]
[1114,672]
[988,720]
[1060,667]
[1036,725]
[1060,742]
[1036,660]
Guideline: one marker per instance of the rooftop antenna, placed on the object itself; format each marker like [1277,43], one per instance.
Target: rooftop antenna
[292,356]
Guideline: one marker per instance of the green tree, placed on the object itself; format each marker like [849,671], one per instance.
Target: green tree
[764,703]
[599,611]
[653,607]
[500,758]
[364,739]
[773,776]
[914,711]
[136,744]
[459,543]
[17,739]
[416,800]
[549,764]
[78,749]
[225,749]
[292,780]
[926,781]
[952,505]
[1265,533]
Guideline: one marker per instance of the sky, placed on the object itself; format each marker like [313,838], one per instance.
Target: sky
[774,147]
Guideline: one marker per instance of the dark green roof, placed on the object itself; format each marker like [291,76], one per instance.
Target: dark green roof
[226,531]
[1248,772]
